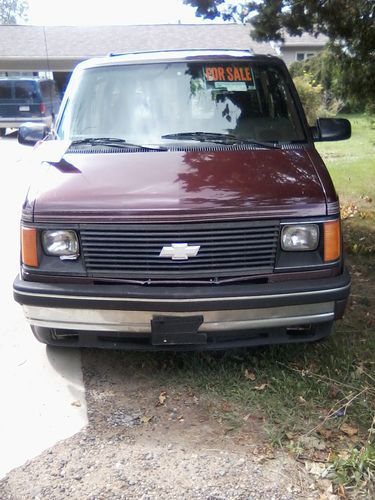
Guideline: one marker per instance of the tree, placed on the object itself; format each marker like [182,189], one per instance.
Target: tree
[347,84]
[12,11]
[349,24]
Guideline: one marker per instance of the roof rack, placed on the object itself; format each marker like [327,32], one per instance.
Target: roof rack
[117,54]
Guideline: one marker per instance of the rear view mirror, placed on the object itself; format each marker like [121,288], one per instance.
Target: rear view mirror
[331,129]
[30,133]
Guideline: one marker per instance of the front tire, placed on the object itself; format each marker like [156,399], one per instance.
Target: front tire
[2,132]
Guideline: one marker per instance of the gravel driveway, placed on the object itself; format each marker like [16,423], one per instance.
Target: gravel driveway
[145,440]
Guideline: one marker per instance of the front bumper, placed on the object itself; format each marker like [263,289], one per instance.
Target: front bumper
[248,314]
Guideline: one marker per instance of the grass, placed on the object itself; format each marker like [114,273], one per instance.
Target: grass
[351,163]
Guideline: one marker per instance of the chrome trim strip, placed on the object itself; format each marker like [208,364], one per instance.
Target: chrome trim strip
[333,208]
[324,265]
[308,221]
[183,301]
[140,321]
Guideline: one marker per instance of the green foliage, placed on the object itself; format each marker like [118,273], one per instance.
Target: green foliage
[12,11]
[310,95]
[349,24]
[345,83]
[356,469]
[321,69]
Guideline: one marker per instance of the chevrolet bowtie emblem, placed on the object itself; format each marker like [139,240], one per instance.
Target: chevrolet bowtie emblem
[179,251]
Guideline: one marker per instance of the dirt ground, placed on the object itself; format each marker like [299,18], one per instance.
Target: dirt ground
[151,441]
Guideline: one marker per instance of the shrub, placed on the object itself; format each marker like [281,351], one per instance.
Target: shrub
[310,95]
[347,81]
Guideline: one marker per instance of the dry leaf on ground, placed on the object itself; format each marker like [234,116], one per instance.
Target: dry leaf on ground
[145,419]
[349,430]
[326,433]
[315,468]
[162,398]
[311,442]
[249,375]
[260,387]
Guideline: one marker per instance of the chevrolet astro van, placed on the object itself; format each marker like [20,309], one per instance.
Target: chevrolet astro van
[180,203]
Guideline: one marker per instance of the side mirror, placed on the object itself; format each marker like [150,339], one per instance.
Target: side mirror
[30,133]
[331,129]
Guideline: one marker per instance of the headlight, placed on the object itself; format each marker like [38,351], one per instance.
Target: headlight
[63,244]
[300,237]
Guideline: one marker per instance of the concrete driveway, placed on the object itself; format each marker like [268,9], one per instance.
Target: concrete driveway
[42,393]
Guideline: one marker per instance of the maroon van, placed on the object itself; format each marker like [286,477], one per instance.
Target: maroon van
[180,203]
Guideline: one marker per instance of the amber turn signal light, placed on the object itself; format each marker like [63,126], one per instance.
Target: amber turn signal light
[29,251]
[332,240]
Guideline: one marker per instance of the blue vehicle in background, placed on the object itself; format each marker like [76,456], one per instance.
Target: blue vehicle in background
[27,99]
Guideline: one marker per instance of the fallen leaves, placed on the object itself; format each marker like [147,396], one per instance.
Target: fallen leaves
[366,198]
[249,375]
[348,210]
[312,442]
[348,429]
[316,468]
[145,419]
[260,387]
[326,433]
[162,398]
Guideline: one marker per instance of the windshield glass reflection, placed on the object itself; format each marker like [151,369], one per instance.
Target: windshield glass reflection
[142,103]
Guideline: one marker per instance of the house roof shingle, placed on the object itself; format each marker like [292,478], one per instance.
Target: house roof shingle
[76,43]
[87,41]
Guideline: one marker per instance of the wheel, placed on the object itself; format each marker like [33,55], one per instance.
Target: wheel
[2,132]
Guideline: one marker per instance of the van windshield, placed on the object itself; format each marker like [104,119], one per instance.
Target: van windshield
[164,102]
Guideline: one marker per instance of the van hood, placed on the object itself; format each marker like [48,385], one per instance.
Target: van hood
[179,185]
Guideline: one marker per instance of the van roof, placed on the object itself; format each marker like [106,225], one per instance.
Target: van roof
[172,55]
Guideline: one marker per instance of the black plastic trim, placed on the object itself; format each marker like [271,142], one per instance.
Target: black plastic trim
[111,340]
[192,298]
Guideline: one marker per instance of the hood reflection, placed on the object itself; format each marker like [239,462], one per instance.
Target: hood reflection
[264,177]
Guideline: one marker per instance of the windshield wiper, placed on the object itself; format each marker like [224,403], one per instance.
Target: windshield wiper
[114,142]
[229,139]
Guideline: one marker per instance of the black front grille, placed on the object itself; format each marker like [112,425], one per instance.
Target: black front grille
[227,249]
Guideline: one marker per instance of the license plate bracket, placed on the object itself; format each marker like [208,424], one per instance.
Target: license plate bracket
[177,330]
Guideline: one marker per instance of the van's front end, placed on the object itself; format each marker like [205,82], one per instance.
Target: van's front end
[182,205]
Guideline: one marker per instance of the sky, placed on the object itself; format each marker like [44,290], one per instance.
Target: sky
[86,12]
